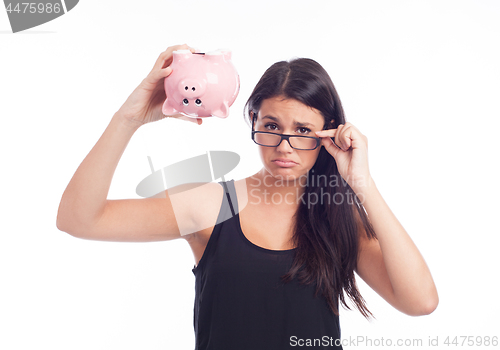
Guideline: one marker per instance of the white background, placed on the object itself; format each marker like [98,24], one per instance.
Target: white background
[420,79]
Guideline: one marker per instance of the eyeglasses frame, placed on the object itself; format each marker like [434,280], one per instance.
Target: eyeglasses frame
[284,137]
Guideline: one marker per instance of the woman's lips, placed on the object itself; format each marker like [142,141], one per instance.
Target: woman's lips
[285,164]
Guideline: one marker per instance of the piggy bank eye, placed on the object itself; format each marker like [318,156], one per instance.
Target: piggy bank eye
[185,102]
[197,102]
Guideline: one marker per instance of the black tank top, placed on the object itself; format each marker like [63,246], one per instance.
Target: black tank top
[240,301]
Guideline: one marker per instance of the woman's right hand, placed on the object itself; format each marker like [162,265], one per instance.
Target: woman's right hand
[145,103]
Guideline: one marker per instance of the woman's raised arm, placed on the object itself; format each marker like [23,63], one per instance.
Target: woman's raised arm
[85,211]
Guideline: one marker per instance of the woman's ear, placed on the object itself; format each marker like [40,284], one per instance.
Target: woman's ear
[329,125]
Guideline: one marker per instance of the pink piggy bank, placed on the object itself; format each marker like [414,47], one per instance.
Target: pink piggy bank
[201,85]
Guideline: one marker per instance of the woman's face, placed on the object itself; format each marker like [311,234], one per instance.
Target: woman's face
[291,117]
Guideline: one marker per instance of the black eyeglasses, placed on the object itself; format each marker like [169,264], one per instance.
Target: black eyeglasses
[271,139]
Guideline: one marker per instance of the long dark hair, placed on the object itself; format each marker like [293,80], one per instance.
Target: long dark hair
[325,234]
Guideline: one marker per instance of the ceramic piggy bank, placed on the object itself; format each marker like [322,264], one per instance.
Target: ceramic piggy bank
[201,85]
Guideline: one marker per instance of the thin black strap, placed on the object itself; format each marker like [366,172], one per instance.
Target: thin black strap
[226,189]
[232,194]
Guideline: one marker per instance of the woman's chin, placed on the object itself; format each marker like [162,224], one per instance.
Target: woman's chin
[286,174]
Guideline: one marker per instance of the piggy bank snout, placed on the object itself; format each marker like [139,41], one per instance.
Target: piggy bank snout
[191,88]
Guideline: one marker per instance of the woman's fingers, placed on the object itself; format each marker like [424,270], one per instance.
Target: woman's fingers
[333,134]
[162,67]
[161,74]
[151,82]
[165,58]
[341,136]
[333,141]
[353,138]
[345,137]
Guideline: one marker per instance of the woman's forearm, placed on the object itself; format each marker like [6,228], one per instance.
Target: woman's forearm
[410,277]
[85,196]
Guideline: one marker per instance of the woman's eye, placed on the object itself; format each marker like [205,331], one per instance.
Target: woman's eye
[306,130]
[265,126]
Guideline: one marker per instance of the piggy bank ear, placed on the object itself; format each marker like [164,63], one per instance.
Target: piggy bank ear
[222,112]
[168,109]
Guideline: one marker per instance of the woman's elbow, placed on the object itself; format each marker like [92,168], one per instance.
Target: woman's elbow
[61,224]
[64,227]
[430,306]
[425,307]
[71,226]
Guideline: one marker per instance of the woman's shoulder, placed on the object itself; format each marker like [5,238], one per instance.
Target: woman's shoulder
[197,203]
[242,189]
[207,197]
[204,201]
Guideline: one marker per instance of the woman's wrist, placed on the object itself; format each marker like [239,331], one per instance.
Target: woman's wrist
[364,187]
[125,122]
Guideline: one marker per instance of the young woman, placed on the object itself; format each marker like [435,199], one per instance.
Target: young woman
[274,252]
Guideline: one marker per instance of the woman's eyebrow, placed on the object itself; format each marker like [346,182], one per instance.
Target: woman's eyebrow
[295,122]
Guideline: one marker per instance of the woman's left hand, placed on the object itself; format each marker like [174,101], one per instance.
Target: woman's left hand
[350,151]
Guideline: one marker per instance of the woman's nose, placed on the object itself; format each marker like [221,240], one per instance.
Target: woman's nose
[285,146]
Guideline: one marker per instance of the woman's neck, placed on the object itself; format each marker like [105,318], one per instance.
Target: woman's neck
[266,189]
